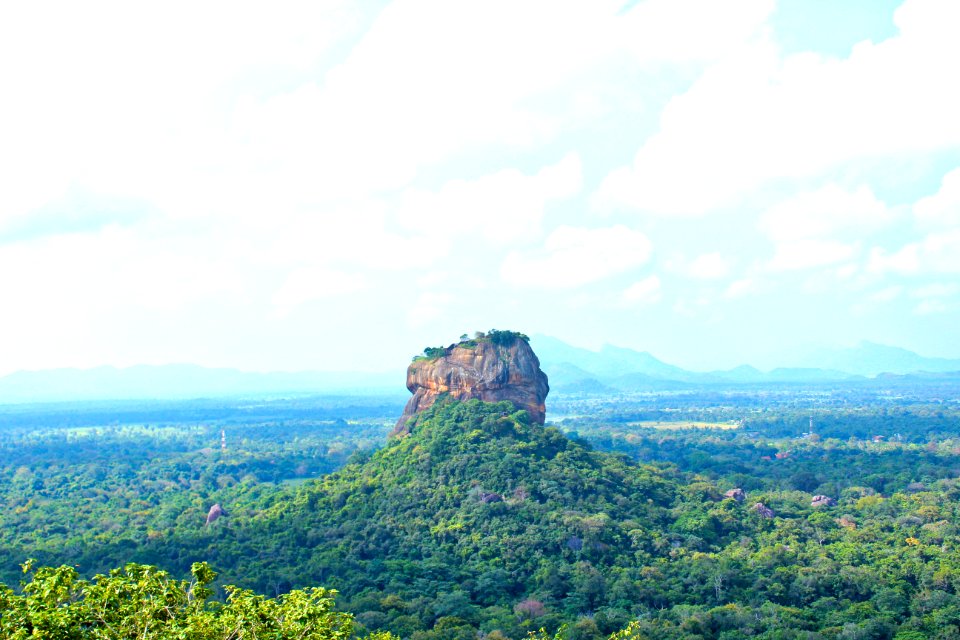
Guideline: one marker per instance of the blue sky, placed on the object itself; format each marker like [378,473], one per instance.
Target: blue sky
[335,185]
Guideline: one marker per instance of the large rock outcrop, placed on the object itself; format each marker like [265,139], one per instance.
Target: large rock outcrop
[492,367]
[215,513]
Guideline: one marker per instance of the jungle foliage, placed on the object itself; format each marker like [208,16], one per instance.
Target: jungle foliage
[143,602]
[479,522]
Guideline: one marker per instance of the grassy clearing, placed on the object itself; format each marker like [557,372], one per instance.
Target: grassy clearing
[684,424]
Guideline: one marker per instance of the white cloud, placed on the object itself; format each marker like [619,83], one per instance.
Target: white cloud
[70,298]
[696,307]
[429,306]
[756,116]
[411,94]
[822,227]
[935,253]
[905,260]
[692,30]
[123,97]
[188,106]
[89,271]
[943,208]
[806,254]
[709,266]
[935,290]
[930,306]
[256,160]
[743,287]
[646,291]
[315,283]
[502,207]
[830,279]
[352,234]
[573,256]
[828,211]
[888,294]
[935,297]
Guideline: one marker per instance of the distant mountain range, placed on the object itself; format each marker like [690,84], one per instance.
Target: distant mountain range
[619,369]
[871,359]
[570,369]
[182,381]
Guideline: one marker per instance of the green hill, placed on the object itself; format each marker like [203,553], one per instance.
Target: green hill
[481,524]
[476,509]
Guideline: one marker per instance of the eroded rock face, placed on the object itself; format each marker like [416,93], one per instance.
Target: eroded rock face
[479,369]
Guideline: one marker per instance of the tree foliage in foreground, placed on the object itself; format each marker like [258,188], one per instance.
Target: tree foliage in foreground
[140,601]
[143,602]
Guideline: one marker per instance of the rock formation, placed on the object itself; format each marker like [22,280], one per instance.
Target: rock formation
[215,512]
[736,494]
[493,367]
[823,501]
[763,510]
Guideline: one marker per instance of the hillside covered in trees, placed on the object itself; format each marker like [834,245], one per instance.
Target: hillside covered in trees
[480,521]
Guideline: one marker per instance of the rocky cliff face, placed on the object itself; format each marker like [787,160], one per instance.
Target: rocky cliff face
[493,368]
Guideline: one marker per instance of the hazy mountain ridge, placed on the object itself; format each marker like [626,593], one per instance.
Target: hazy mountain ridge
[871,359]
[611,369]
[178,381]
[618,368]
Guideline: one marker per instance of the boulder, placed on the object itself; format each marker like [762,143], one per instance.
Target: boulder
[216,511]
[763,510]
[823,501]
[736,494]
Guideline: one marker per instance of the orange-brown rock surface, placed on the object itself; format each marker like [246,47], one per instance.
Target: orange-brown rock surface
[493,368]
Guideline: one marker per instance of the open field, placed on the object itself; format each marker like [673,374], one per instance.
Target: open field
[683,424]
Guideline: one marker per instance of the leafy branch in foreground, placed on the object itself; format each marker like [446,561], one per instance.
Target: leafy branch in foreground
[141,601]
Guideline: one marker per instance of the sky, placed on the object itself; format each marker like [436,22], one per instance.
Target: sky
[336,185]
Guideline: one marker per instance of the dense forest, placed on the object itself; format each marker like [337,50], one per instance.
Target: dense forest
[626,519]
[96,489]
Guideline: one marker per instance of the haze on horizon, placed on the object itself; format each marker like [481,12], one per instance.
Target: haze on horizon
[335,185]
